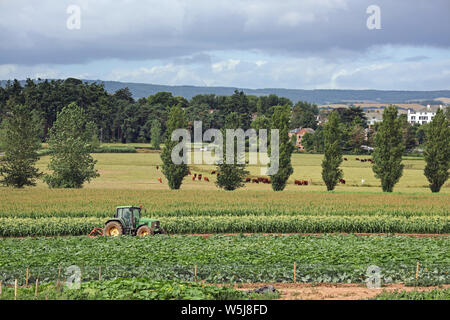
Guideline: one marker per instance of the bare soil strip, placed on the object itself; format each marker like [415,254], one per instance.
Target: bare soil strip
[327,291]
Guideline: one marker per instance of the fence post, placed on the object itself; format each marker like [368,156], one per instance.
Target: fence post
[1,284]
[15,289]
[417,271]
[100,273]
[195,272]
[36,289]
[58,280]
[26,279]
[295,272]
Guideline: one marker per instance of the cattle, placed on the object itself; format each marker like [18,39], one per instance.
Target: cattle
[342,181]
[297,182]
[193,178]
[160,180]
[345,159]
[206,179]
[248,180]
[157,167]
[255,181]
[357,159]
[200,177]
[213,172]
[304,182]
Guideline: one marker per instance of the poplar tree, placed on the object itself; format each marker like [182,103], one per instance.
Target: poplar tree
[389,146]
[331,173]
[437,151]
[70,143]
[231,175]
[280,121]
[173,172]
[19,137]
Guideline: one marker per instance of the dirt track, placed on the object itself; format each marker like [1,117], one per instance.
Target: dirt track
[326,291]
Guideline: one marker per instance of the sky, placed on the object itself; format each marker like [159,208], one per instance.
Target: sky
[295,44]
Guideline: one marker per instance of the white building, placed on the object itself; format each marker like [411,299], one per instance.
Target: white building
[422,116]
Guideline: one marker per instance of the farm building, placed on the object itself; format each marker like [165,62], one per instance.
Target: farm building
[299,133]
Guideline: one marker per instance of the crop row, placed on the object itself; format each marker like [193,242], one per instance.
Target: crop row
[219,259]
[129,289]
[14,227]
[235,212]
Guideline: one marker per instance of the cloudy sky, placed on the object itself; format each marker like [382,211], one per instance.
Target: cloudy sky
[298,44]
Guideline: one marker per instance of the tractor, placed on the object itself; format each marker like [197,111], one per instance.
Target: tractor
[128,221]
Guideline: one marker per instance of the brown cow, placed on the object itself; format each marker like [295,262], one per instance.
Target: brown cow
[248,179]
[200,177]
[206,179]
[160,180]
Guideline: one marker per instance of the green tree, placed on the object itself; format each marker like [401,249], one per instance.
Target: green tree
[280,121]
[389,147]
[70,144]
[19,138]
[173,172]
[155,133]
[331,173]
[231,175]
[437,151]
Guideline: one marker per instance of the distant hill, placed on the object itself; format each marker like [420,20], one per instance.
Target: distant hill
[321,96]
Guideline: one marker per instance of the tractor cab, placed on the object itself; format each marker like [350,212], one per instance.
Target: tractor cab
[127,220]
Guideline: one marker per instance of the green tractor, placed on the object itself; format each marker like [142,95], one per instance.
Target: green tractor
[128,221]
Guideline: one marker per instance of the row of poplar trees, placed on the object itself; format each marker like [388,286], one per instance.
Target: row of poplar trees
[71,140]
[389,147]
[231,176]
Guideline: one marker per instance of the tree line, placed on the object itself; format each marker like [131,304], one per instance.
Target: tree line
[71,116]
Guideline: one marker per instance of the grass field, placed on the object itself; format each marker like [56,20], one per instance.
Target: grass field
[138,171]
[131,179]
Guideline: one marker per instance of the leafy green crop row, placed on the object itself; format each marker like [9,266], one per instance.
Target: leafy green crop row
[219,259]
[13,227]
[130,289]
[436,294]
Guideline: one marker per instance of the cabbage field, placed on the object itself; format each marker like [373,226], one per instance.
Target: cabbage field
[221,259]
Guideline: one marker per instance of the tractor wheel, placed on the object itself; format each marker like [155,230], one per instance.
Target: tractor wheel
[144,231]
[113,229]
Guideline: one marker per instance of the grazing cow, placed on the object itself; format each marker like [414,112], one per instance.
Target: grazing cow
[248,180]
[255,181]
[357,159]
[160,180]
[218,174]
[304,183]
[200,177]
[193,178]
[206,179]
[342,181]
[213,172]
[157,167]
[297,182]
[345,159]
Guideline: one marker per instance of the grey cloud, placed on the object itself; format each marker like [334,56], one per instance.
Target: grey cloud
[35,32]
